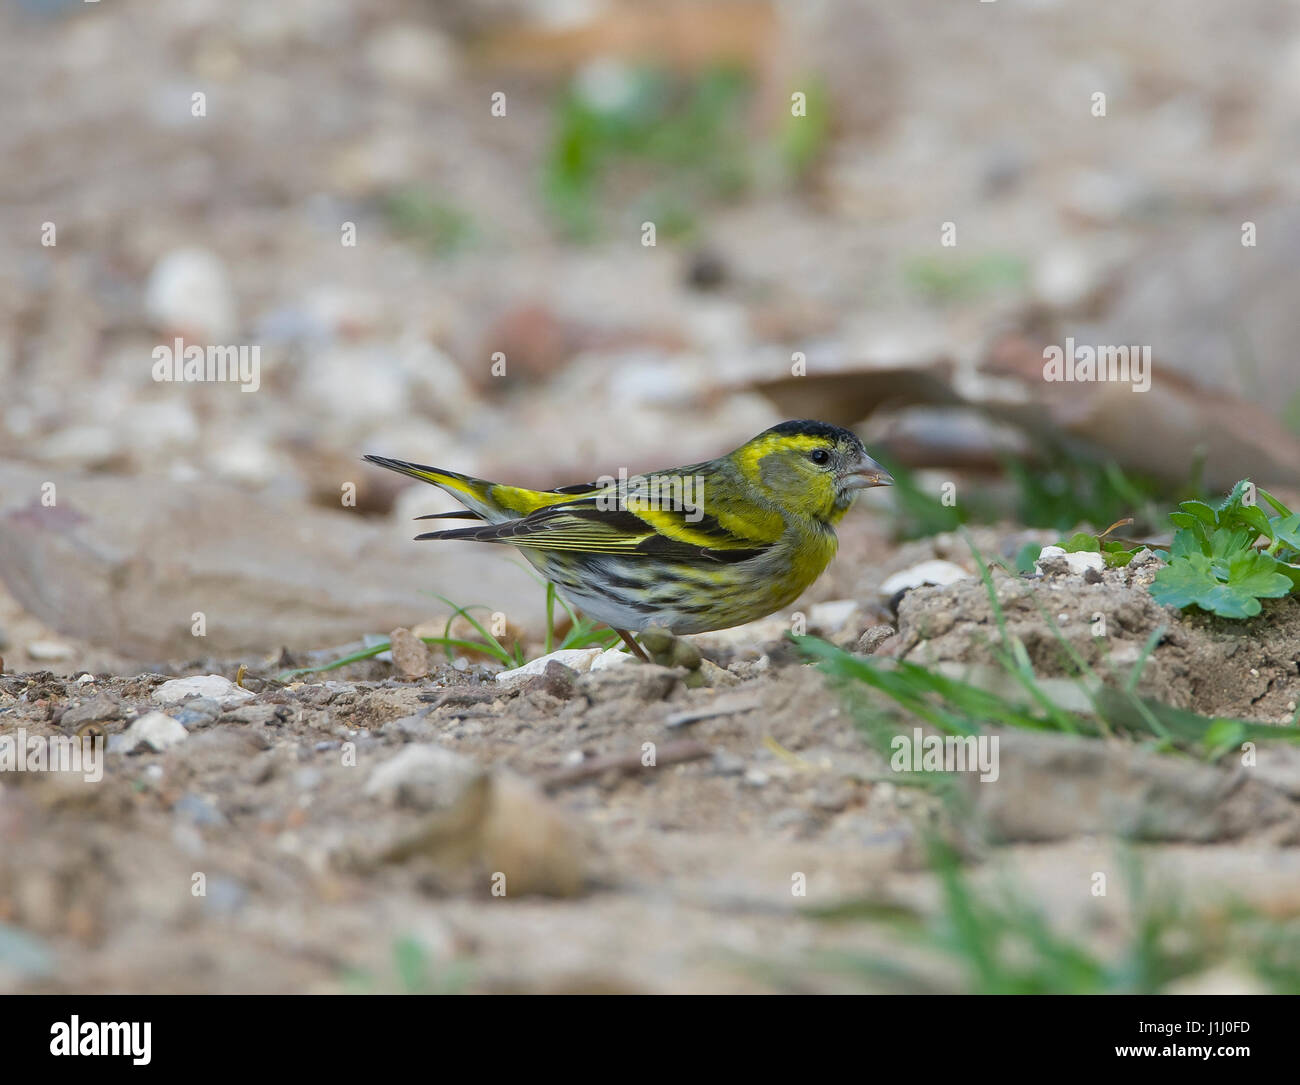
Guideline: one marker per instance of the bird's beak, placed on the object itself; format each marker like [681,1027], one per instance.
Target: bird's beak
[867,473]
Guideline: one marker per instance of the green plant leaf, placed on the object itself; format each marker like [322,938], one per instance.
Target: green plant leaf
[1231,587]
[1186,580]
[1080,543]
[1278,507]
[1190,542]
[1291,572]
[1027,556]
[1228,542]
[1198,510]
[1286,529]
[1115,555]
[1256,575]
[1255,518]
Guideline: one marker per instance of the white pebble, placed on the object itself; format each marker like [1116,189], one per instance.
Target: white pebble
[1078,563]
[156,730]
[927,572]
[579,659]
[50,651]
[222,690]
[614,657]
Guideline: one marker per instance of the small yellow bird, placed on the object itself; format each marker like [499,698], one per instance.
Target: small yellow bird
[690,549]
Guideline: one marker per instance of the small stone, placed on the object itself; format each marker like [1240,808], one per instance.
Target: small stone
[647,682]
[410,654]
[102,707]
[833,617]
[456,696]
[502,827]
[728,764]
[757,778]
[411,727]
[707,270]
[306,779]
[530,840]
[189,294]
[411,56]
[613,657]
[222,690]
[423,776]
[784,820]
[745,669]
[1067,277]
[744,638]
[927,572]
[197,810]
[832,798]
[709,675]
[156,730]
[82,446]
[556,680]
[259,715]
[873,638]
[200,712]
[578,659]
[24,955]
[50,651]
[224,896]
[1053,560]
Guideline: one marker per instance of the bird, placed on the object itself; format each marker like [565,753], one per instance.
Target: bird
[689,549]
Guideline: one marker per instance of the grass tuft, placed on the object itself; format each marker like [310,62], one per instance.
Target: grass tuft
[581,633]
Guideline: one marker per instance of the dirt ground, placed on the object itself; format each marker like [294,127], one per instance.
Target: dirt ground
[357,831]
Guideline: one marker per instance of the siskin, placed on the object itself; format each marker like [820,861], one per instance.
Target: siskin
[690,549]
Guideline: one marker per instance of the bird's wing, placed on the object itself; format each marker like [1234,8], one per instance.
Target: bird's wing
[595,526]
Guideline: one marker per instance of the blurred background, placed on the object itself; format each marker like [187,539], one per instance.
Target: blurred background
[431,221]
[202,170]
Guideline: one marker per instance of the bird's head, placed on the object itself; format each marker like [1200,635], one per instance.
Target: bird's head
[811,468]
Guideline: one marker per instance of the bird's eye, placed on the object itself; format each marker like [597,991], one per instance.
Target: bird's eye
[820,455]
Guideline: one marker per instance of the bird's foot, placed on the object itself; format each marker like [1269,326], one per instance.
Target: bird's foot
[669,650]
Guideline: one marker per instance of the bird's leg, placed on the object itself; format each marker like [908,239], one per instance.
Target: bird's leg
[632,645]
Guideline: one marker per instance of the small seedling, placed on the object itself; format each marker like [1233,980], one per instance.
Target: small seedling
[1226,560]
